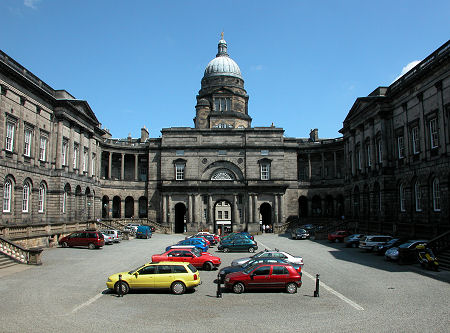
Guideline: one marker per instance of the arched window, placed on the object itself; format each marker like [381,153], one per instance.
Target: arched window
[222,175]
[418,196]
[7,196]
[42,194]
[402,198]
[25,197]
[436,196]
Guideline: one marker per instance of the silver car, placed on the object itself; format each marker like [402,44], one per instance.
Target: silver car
[270,254]
[370,242]
[115,234]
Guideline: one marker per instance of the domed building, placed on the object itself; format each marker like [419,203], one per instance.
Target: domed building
[62,172]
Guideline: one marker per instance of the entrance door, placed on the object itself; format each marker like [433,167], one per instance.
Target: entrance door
[180,217]
[266,216]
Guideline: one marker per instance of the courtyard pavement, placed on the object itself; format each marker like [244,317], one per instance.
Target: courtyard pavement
[359,292]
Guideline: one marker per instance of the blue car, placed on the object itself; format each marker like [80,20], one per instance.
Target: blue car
[192,241]
[144,231]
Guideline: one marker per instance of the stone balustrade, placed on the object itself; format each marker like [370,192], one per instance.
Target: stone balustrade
[20,254]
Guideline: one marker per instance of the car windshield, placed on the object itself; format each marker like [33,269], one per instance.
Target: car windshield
[135,270]
[392,241]
[301,230]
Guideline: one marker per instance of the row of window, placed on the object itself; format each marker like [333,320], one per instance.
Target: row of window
[43,145]
[222,174]
[435,193]
[26,197]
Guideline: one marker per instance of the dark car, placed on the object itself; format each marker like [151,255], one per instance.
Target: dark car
[235,235]
[338,236]
[92,239]
[353,240]
[260,276]
[299,233]
[244,244]
[382,248]
[231,269]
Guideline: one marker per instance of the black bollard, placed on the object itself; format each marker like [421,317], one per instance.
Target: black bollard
[219,289]
[316,292]
[120,293]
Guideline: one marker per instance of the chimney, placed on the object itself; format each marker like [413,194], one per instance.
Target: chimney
[144,134]
[314,135]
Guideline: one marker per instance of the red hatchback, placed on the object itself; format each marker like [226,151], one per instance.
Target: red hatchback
[265,275]
[196,258]
[338,236]
[90,238]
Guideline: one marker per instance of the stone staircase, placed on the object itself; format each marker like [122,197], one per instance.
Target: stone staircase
[6,261]
[444,260]
[441,248]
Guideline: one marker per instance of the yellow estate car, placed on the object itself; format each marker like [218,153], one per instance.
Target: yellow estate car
[176,276]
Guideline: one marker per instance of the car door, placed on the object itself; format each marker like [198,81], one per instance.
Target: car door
[174,255]
[164,278]
[278,277]
[73,239]
[145,278]
[259,278]
[239,245]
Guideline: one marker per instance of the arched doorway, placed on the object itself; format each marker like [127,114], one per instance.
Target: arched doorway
[265,211]
[222,217]
[129,207]
[180,217]
[143,210]
[302,207]
[116,207]
[105,207]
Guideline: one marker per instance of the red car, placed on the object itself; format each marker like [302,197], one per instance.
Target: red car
[196,258]
[265,275]
[90,238]
[338,236]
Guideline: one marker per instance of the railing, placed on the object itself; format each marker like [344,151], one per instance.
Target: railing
[122,223]
[440,243]
[20,254]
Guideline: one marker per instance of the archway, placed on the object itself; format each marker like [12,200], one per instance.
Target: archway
[143,209]
[129,207]
[105,207]
[180,216]
[222,217]
[266,216]
[116,207]
[302,207]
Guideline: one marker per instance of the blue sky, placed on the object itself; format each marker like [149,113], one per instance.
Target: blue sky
[141,62]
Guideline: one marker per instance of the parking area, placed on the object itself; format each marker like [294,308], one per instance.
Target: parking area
[360,292]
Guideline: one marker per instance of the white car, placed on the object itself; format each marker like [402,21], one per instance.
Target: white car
[108,238]
[115,234]
[132,227]
[270,254]
[370,242]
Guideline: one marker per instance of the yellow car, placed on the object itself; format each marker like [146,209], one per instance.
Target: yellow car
[176,276]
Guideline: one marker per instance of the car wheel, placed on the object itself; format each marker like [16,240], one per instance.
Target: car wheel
[291,288]
[225,249]
[208,266]
[238,288]
[125,288]
[178,288]
[251,249]
[91,246]
[65,244]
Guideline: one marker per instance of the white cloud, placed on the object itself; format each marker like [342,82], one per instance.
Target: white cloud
[407,68]
[257,68]
[31,3]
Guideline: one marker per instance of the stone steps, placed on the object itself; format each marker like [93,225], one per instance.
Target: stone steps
[444,260]
[6,261]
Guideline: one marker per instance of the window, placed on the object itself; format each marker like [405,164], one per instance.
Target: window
[93,165]
[85,160]
[436,196]
[380,151]
[7,196]
[43,148]
[27,143]
[434,133]
[264,270]
[418,196]
[415,140]
[401,146]
[279,270]
[222,152]
[179,171]
[264,152]
[41,198]
[75,156]
[240,213]
[179,153]
[205,213]
[222,104]
[65,144]
[369,160]
[265,171]
[25,197]
[9,136]
[219,215]
[402,198]
[225,215]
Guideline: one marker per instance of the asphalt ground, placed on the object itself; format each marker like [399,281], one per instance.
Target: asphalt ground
[359,292]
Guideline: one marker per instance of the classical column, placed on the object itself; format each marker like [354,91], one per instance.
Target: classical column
[443,127]
[136,158]
[169,209]
[309,166]
[59,139]
[323,165]
[136,208]
[71,150]
[197,209]
[335,164]
[189,208]
[122,167]
[250,208]
[210,210]
[276,210]
[235,219]
[255,209]
[122,208]
[89,161]
[281,197]
[164,209]
[110,164]
[81,154]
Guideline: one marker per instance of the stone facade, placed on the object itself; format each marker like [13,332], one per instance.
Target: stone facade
[60,169]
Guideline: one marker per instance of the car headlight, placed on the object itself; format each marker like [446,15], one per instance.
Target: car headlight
[227,279]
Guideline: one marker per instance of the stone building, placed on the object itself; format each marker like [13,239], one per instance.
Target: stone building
[61,171]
